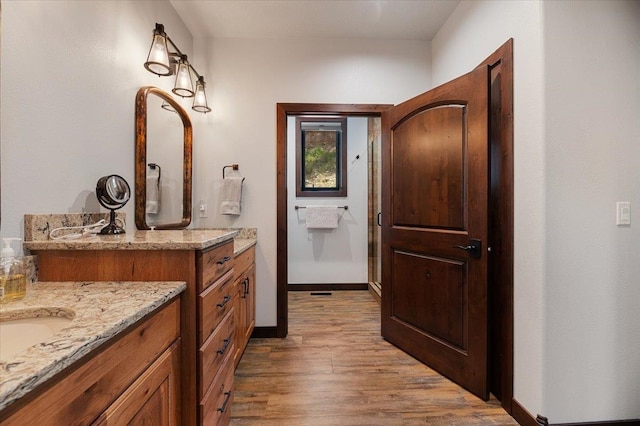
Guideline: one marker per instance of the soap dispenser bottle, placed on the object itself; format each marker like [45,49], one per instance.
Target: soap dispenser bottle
[13,283]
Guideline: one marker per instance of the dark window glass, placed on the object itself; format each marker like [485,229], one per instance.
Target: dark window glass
[321,157]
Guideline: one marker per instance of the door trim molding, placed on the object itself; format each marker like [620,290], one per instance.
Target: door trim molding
[268,332]
[282,110]
[501,222]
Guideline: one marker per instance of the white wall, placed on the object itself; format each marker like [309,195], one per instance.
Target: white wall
[576,103]
[70,73]
[592,280]
[318,256]
[248,78]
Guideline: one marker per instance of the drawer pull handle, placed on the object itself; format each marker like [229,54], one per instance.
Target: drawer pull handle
[227,342]
[225,300]
[223,260]
[227,396]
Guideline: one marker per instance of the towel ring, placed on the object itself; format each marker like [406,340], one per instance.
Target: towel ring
[232,166]
[153,166]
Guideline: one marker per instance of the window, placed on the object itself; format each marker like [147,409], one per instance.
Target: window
[321,157]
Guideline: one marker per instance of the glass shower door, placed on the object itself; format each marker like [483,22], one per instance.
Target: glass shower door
[375,263]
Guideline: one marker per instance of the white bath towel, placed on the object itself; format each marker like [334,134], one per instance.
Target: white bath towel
[153,191]
[323,217]
[231,195]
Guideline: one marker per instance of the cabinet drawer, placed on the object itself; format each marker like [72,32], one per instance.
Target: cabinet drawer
[243,261]
[213,352]
[212,264]
[215,407]
[213,305]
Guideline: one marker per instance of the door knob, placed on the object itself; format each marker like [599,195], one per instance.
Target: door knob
[474,248]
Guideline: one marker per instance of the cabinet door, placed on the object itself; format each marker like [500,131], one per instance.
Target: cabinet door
[239,318]
[153,399]
[250,304]
[245,307]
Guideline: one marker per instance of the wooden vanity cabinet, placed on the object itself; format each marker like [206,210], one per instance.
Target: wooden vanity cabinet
[133,380]
[205,306]
[245,301]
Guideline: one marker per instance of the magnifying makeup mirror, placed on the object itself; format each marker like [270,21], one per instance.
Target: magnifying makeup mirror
[113,192]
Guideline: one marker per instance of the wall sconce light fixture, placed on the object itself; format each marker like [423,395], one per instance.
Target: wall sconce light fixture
[162,62]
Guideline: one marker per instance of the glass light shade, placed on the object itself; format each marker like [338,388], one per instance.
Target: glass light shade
[158,58]
[167,106]
[183,86]
[200,100]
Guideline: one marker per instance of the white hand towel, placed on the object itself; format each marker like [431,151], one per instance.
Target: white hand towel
[153,191]
[231,195]
[322,217]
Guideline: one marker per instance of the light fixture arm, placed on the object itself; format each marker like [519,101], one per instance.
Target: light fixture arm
[178,54]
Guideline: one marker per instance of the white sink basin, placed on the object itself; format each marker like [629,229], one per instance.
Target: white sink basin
[16,335]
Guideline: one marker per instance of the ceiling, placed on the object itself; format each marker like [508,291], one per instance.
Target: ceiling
[368,19]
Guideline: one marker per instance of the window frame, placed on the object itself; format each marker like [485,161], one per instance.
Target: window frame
[341,163]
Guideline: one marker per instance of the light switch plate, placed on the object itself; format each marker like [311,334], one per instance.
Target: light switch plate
[623,213]
[202,208]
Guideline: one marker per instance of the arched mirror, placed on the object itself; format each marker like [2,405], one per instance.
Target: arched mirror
[163,184]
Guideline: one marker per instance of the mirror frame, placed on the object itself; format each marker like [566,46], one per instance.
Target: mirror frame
[141,159]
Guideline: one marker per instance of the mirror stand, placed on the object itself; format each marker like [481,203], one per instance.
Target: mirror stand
[113,193]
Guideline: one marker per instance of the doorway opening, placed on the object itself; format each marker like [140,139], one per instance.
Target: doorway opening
[500,269]
[345,258]
[283,111]
[349,256]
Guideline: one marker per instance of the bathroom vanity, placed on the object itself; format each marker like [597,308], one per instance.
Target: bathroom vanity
[115,359]
[217,309]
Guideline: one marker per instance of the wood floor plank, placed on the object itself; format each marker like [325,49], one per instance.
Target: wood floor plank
[335,369]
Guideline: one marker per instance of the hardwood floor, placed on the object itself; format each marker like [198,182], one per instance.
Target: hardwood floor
[335,369]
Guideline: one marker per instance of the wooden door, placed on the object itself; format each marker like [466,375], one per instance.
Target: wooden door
[434,228]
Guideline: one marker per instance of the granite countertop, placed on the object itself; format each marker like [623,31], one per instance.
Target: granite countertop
[100,311]
[197,239]
[241,245]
